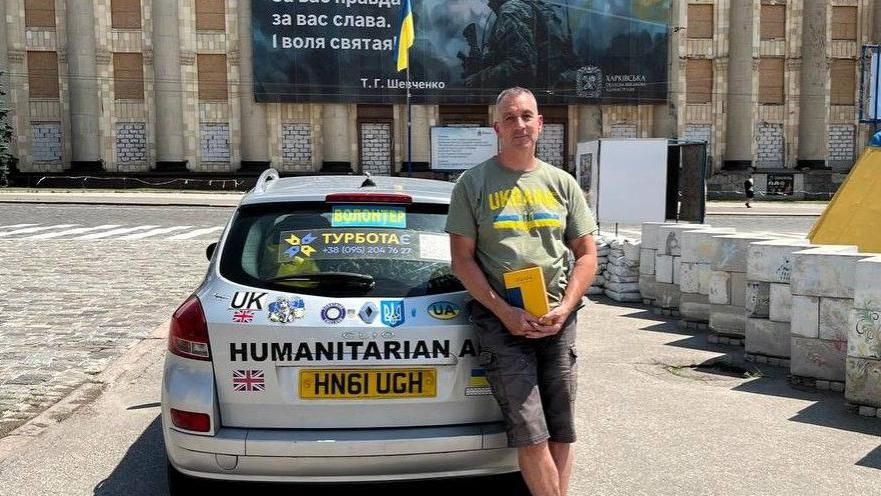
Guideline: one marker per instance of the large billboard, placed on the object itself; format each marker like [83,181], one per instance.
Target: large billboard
[466,51]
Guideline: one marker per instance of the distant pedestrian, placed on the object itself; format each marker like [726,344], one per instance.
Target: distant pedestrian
[748,189]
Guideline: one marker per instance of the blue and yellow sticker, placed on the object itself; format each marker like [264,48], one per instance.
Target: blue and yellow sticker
[369,216]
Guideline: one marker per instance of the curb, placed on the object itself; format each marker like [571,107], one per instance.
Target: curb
[129,362]
[112,203]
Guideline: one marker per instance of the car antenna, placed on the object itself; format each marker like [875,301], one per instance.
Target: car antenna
[369,181]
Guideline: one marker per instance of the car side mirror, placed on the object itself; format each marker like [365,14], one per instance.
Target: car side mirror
[209,252]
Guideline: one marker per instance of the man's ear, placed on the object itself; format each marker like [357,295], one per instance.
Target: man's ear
[541,122]
[496,127]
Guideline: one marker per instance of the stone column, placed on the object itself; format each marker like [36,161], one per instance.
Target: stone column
[812,127]
[335,133]
[421,131]
[255,142]
[741,100]
[590,123]
[876,23]
[83,85]
[168,87]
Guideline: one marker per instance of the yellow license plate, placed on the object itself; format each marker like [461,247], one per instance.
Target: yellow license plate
[367,384]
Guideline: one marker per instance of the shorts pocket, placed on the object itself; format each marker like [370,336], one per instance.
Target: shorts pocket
[573,375]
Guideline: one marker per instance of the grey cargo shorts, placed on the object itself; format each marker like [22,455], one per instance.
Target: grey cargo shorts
[533,380]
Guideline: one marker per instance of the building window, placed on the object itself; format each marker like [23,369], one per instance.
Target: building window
[700,21]
[125,14]
[844,23]
[210,15]
[212,77]
[39,13]
[699,81]
[43,74]
[773,22]
[128,76]
[843,82]
[771,81]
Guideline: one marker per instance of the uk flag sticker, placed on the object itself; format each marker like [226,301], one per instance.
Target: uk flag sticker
[248,380]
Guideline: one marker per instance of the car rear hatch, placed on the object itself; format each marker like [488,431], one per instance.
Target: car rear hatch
[342,316]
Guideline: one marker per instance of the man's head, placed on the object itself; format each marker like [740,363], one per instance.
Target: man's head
[517,121]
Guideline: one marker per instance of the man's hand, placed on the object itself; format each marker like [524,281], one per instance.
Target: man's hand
[521,323]
[550,323]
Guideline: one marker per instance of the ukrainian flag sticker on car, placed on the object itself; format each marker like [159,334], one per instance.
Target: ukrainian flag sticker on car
[369,216]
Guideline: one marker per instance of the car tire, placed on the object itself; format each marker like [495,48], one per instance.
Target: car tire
[178,483]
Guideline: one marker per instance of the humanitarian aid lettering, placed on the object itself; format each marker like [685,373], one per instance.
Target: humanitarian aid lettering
[346,350]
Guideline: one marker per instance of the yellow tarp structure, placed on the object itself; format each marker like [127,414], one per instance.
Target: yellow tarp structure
[853,217]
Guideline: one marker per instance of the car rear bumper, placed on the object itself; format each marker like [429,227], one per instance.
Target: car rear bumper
[356,455]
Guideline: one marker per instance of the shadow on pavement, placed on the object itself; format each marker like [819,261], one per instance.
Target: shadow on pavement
[872,459]
[142,472]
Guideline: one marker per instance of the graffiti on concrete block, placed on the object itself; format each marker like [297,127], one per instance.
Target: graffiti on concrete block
[784,271]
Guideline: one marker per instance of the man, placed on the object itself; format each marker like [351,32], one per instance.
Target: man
[748,186]
[510,212]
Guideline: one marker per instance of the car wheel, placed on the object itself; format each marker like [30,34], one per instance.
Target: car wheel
[178,483]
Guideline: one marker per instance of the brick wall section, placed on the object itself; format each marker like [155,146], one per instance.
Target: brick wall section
[551,143]
[46,141]
[841,143]
[296,147]
[214,142]
[770,150]
[131,142]
[376,148]
[698,132]
[623,131]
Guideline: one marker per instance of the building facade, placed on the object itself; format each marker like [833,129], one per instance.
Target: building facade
[146,86]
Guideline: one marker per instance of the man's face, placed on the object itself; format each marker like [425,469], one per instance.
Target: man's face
[518,122]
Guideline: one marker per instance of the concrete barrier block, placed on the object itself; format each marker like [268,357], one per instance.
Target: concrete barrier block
[688,278]
[835,314]
[818,358]
[738,289]
[677,267]
[864,334]
[720,287]
[863,381]
[758,299]
[703,275]
[647,261]
[667,295]
[670,237]
[664,268]
[649,238]
[780,303]
[765,337]
[771,261]
[697,245]
[694,307]
[806,316]
[727,319]
[647,286]
[825,271]
[730,250]
[867,283]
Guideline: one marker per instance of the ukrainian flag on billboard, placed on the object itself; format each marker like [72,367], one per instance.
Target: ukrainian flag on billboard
[405,37]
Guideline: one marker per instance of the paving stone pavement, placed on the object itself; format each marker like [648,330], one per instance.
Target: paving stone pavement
[69,308]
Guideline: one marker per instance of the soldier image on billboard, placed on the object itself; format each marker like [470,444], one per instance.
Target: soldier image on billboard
[527,44]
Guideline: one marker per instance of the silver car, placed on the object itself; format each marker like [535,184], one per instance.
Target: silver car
[329,342]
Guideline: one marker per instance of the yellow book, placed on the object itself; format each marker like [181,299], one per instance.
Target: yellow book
[526,289]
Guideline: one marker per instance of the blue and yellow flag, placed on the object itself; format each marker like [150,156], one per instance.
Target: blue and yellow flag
[405,37]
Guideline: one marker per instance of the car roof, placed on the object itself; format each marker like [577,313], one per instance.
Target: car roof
[316,188]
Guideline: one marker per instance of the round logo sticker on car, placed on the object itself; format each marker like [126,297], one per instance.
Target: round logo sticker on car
[333,313]
[443,310]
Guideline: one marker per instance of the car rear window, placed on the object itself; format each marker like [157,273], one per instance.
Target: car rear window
[341,250]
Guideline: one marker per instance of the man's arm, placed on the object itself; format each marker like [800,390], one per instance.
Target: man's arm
[462,250]
[585,252]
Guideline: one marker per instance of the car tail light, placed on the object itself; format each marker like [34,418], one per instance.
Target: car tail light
[191,421]
[368,198]
[188,335]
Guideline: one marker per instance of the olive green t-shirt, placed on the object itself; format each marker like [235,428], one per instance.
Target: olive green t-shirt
[520,219]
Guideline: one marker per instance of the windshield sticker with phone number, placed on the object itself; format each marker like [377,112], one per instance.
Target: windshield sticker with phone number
[348,243]
[368,216]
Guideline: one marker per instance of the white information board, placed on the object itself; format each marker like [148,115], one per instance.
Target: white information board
[460,148]
[631,179]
